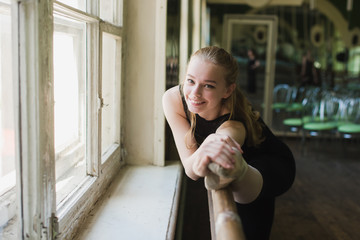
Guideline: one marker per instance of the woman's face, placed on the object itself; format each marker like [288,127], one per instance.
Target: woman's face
[205,87]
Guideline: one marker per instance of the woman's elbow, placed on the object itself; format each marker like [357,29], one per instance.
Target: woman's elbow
[191,175]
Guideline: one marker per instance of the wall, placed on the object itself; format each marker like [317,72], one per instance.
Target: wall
[141,104]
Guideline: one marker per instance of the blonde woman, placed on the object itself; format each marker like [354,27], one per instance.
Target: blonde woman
[220,137]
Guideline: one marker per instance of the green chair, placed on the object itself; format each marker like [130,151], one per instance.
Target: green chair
[296,124]
[349,126]
[296,96]
[323,117]
[301,111]
[280,97]
[349,130]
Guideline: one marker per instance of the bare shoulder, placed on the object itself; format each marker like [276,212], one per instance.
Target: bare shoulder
[172,102]
[171,94]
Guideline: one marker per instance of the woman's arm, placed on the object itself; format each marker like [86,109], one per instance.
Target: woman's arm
[175,116]
[216,148]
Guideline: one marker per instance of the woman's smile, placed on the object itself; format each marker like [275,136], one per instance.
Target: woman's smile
[195,103]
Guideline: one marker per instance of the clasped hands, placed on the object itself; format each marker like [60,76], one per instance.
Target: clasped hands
[219,177]
[220,161]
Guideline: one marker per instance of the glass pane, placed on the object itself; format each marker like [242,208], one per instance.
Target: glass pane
[70,105]
[79,4]
[111,11]
[107,10]
[110,119]
[7,131]
[7,141]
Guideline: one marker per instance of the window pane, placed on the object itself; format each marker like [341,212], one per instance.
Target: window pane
[70,105]
[110,118]
[7,130]
[111,11]
[79,4]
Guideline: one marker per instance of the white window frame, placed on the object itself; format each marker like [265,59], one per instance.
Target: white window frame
[33,77]
[64,209]
[75,204]
[32,64]
[114,151]
[74,147]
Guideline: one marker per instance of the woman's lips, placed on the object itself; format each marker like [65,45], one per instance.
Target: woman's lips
[195,102]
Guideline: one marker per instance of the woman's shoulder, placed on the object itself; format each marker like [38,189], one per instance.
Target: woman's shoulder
[172,97]
[172,101]
[172,93]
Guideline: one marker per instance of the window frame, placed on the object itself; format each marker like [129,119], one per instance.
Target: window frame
[73,206]
[32,68]
[74,147]
[115,150]
[32,25]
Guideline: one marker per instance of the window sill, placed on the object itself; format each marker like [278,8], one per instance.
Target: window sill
[141,203]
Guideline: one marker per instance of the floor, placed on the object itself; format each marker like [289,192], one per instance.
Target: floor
[323,203]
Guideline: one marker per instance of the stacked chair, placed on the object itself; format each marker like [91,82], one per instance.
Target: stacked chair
[299,108]
[323,115]
[281,97]
[349,117]
[317,112]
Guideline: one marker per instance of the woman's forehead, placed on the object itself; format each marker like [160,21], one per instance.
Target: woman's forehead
[201,65]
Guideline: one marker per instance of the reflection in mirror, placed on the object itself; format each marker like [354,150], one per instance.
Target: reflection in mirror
[244,36]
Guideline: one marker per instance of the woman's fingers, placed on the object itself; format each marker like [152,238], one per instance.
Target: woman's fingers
[224,138]
[217,148]
[232,142]
[221,153]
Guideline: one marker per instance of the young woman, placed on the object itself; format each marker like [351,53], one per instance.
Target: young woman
[220,137]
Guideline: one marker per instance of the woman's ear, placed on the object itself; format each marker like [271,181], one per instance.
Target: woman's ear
[229,90]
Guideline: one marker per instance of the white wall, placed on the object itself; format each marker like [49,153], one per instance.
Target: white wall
[143,59]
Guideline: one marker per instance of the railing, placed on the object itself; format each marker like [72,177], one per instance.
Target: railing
[224,219]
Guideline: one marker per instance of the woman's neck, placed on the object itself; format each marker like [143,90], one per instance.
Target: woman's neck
[222,111]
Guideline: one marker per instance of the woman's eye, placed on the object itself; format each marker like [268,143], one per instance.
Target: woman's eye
[190,81]
[209,86]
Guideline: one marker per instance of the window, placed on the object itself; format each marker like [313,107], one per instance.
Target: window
[7,125]
[110,92]
[69,112]
[70,104]
[111,11]
[79,4]
[7,148]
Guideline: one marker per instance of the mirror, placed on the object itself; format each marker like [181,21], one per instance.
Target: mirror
[242,32]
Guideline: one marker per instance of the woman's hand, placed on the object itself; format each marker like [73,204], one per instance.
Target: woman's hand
[216,148]
[220,177]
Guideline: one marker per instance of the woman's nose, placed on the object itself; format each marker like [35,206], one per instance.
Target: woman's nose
[196,91]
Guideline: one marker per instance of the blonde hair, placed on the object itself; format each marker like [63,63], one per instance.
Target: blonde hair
[240,107]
